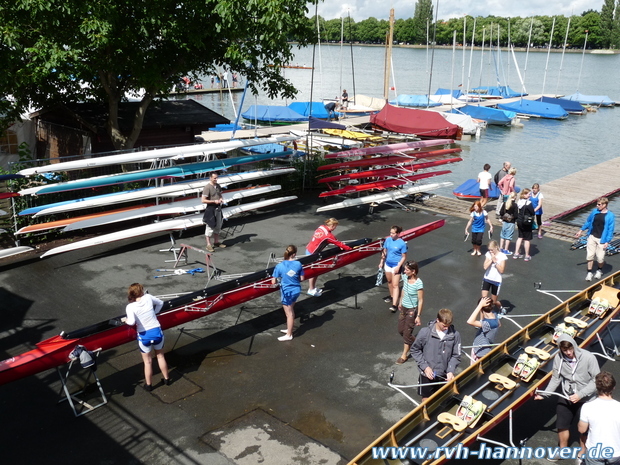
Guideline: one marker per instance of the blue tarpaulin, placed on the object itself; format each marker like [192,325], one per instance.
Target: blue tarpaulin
[535,108]
[405,100]
[273,114]
[591,99]
[568,105]
[318,109]
[490,115]
[497,91]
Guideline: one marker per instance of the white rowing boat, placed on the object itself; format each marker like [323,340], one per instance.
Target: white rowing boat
[14,251]
[174,190]
[173,153]
[186,207]
[176,224]
[385,196]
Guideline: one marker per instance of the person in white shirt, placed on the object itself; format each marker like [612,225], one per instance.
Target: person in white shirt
[484,181]
[142,312]
[600,419]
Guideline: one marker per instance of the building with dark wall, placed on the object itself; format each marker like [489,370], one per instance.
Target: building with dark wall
[65,130]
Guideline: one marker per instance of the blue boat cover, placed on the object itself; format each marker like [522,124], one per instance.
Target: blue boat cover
[405,100]
[318,109]
[273,113]
[568,105]
[226,127]
[497,91]
[470,189]
[456,93]
[591,99]
[490,115]
[266,148]
[535,108]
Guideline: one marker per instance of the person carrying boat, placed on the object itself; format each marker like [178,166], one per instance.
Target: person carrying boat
[142,312]
[410,307]
[437,351]
[600,421]
[477,219]
[484,183]
[289,273]
[574,370]
[599,227]
[321,237]
[393,257]
[213,217]
[485,319]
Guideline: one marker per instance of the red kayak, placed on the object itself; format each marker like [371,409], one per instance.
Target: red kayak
[105,335]
[394,159]
[8,195]
[405,169]
[390,148]
[385,184]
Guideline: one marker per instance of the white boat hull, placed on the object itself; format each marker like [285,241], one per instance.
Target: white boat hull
[173,153]
[385,196]
[165,191]
[186,222]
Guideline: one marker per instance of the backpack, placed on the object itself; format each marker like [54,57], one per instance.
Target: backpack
[528,219]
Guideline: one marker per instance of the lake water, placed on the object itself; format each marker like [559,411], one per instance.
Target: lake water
[543,150]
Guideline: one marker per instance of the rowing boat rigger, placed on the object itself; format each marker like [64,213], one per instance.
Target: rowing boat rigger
[54,352]
[484,394]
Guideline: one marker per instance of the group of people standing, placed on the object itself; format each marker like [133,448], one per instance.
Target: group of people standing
[521,210]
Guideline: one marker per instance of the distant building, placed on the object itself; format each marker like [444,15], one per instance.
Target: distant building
[66,130]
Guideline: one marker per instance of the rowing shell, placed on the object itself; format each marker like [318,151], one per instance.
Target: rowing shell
[390,148]
[492,380]
[384,196]
[176,224]
[386,184]
[14,251]
[393,159]
[174,190]
[193,205]
[172,153]
[178,171]
[390,171]
[111,333]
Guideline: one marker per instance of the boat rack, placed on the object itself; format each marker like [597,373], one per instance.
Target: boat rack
[73,398]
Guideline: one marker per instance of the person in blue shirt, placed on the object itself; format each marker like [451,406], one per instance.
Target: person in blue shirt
[393,256]
[477,219]
[599,227]
[290,273]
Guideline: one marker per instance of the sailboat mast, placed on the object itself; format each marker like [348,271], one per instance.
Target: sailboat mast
[471,55]
[341,45]
[583,54]
[548,53]
[464,43]
[388,57]
[557,87]
[452,73]
[482,56]
[352,65]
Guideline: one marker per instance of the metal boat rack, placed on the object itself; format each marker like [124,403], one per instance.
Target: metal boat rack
[74,397]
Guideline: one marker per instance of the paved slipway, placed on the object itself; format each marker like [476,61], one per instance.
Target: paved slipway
[239,396]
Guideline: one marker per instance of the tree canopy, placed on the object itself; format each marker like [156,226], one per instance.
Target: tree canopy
[60,51]
[603,28]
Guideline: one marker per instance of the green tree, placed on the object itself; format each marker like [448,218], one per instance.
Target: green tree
[422,16]
[615,36]
[607,23]
[372,30]
[60,51]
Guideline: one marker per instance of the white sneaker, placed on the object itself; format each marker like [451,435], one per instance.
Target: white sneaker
[598,274]
[318,292]
[589,276]
[312,292]
[285,338]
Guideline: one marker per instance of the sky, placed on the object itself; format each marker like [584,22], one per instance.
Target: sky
[363,9]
